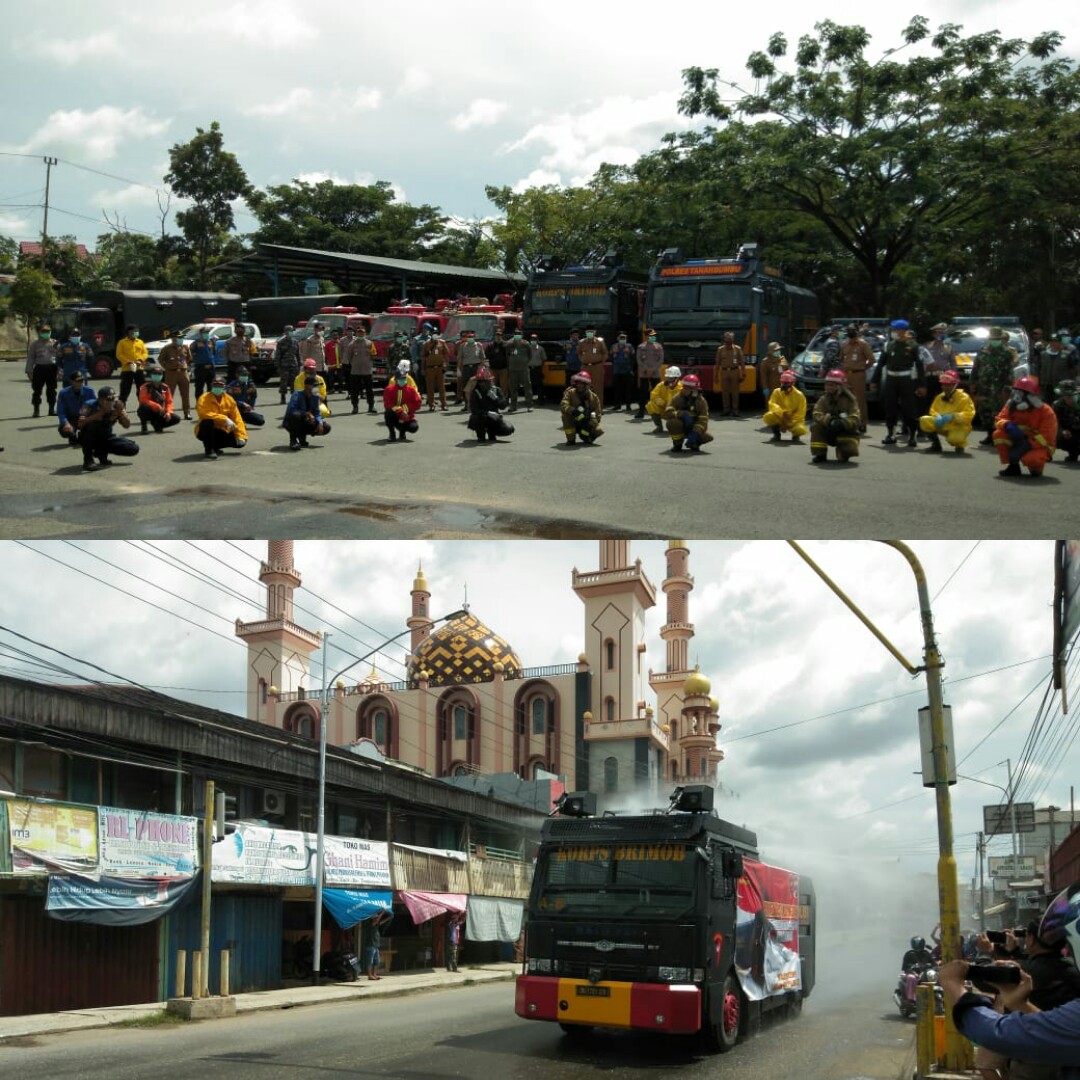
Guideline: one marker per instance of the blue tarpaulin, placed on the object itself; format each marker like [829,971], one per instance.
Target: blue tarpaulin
[114,901]
[350,906]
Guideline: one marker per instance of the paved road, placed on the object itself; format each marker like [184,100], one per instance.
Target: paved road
[463,1033]
[443,484]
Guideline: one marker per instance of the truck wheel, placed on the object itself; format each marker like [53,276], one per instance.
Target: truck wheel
[101,367]
[723,1034]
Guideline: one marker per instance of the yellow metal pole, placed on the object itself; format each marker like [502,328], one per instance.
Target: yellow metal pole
[207,858]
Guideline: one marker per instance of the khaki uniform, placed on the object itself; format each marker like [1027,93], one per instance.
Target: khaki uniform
[434,357]
[856,359]
[730,367]
[836,423]
[176,359]
[593,354]
[580,411]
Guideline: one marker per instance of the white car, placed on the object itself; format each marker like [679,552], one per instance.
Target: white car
[220,332]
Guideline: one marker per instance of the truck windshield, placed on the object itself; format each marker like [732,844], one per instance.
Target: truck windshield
[386,326]
[646,880]
[578,298]
[482,325]
[722,296]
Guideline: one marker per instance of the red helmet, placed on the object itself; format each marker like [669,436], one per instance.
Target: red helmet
[1028,383]
[483,375]
[836,376]
[692,381]
[788,376]
[582,376]
[950,378]
[310,364]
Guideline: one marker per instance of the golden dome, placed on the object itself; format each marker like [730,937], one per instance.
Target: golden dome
[697,685]
[675,544]
[498,667]
[582,658]
[420,582]
[714,705]
[273,690]
[463,651]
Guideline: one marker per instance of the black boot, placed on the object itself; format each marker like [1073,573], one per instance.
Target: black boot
[988,441]
[1012,469]
[934,447]
[37,411]
[776,435]
[912,440]
[676,446]
[52,410]
[890,439]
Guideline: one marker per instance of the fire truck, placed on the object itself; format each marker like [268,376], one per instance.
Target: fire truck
[599,293]
[481,317]
[664,922]
[692,303]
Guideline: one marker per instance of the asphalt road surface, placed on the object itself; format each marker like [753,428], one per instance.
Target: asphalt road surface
[470,1032]
[442,484]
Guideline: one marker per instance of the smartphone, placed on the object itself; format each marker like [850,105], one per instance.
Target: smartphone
[996,974]
[996,937]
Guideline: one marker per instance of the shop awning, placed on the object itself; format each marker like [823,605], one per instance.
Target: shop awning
[998,909]
[350,906]
[491,918]
[426,905]
[113,901]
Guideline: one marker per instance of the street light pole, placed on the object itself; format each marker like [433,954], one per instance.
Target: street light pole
[321,836]
[957,1048]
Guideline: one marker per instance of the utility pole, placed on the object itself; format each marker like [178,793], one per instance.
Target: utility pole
[979,847]
[49,163]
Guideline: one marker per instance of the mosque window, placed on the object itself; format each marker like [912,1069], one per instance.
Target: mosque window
[539,716]
[609,709]
[611,774]
[537,769]
[674,730]
[460,770]
[262,691]
[459,722]
[609,654]
[380,727]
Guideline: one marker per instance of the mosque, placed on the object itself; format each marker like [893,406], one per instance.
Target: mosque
[470,707]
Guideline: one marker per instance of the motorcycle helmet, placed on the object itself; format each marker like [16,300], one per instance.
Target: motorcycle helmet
[404,367]
[673,372]
[899,324]
[483,375]
[837,376]
[918,943]
[788,376]
[1027,384]
[692,381]
[583,377]
[950,378]
[1060,923]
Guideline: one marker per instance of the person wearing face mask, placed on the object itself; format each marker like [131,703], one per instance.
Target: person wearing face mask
[175,359]
[303,415]
[571,355]
[623,360]
[202,361]
[650,361]
[772,363]
[951,414]
[1055,363]
[70,403]
[220,425]
[856,359]
[580,410]
[73,355]
[661,397]
[498,363]
[470,356]
[299,382]
[402,349]
[237,351]
[486,403]
[156,401]
[1025,431]
[287,358]
[1068,418]
[593,354]
[940,357]
[434,358]
[537,360]
[313,347]
[905,381]
[41,369]
[517,361]
[245,393]
[401,403]
[787,409]
[687,417]
[96,423]
[359,357]
[730,369]
[131,353]
[836,420]
[991,377]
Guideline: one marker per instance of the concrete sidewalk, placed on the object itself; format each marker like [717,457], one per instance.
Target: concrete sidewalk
[395,985]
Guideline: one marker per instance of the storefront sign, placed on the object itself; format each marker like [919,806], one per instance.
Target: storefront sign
[142,844]
[113,901]
[49,837]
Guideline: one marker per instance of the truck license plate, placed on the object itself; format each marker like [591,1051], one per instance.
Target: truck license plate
[594,991]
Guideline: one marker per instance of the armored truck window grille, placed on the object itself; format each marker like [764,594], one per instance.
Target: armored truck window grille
[730,296]
[632,879]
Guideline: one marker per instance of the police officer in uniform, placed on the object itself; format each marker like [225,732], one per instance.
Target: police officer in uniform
[593,354]
[730,368]
[856,359]
[904,380]
[991,379]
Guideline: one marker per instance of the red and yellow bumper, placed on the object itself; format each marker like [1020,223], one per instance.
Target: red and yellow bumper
[638,1006]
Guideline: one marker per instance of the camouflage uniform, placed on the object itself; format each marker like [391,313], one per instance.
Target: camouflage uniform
[991,378]
[1068,417]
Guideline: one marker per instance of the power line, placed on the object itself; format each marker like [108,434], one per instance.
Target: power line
[955,572]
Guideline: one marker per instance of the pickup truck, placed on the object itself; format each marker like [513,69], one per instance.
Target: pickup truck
[262,365]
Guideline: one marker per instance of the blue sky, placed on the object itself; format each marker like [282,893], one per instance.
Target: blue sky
[436,99]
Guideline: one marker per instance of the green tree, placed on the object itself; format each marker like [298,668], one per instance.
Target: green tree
[32,296]
[128,260]
[202,171]
[898,161]
[9,253]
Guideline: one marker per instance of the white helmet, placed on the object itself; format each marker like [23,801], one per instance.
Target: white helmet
[404,367]
[673,372]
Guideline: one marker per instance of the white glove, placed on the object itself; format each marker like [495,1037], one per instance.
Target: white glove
[230,425]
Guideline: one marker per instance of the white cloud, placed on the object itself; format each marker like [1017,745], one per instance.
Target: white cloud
[12,225]
[67,52]
[269,24]
[617,130]
[132,195]
[93,136]
[298,99]
[301,102]
[362,178]
[482,112]
[538,178]
[416,80]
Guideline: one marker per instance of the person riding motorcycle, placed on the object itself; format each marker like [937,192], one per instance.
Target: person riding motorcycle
[917,954]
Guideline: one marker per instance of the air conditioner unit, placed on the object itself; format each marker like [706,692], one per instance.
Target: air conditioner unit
[273,802]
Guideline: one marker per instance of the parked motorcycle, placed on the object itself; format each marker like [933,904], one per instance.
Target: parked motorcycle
[904,994]
[341,965]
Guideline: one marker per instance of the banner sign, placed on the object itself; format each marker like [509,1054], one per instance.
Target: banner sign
[142,844]
[350,906]
[998,819]
[50,837]
[767,931]
[113,901]
[1004,866]
[256,855]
